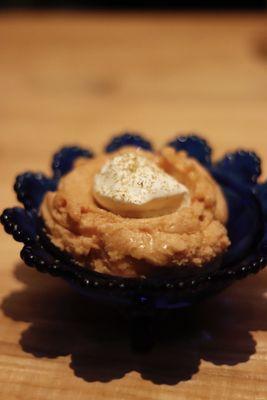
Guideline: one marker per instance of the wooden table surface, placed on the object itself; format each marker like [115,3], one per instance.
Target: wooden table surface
[78,78]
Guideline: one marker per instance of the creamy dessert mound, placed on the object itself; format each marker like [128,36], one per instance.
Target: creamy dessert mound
[132,213]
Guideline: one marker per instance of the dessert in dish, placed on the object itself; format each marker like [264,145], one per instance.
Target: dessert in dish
[237,174]
[134,213]
[121,215]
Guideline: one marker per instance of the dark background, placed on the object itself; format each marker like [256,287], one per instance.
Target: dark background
[137,4]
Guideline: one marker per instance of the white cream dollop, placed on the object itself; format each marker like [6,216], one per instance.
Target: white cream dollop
[134,186]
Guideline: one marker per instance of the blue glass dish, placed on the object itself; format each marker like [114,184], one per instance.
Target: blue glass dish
[237,173]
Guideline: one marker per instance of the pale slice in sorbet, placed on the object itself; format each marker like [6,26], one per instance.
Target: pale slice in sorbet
[131,185]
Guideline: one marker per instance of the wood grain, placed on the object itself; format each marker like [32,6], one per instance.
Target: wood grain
[78,78]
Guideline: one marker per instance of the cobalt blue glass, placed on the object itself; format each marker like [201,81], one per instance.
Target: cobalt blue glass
[237,173]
